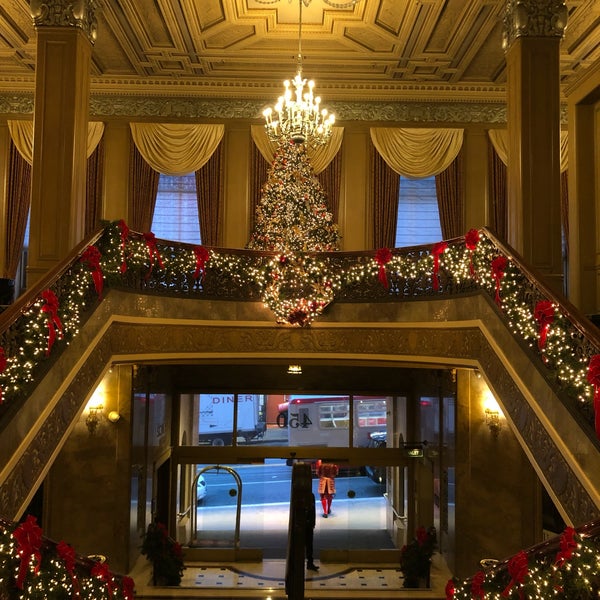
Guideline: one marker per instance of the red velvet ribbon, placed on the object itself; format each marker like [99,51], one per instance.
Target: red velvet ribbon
[67,555]
[567,545]
[101,571]
[91,257]
[53,323]
[153,252]
[382,258]
[29,541]
[498,268]
[437,249]
[449,589]
[477,585]
[593,377]
[124,236]
[3,363]
[202,257]
[128,588]
[471,241]
[544,315]
[518,570]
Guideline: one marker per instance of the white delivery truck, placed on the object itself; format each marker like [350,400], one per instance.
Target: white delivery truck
[216,418]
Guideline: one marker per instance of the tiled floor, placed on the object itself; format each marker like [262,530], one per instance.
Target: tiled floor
[266,579]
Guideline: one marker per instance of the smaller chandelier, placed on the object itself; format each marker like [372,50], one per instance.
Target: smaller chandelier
[298,116]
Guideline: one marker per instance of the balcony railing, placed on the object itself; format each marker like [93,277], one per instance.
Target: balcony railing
[298,287]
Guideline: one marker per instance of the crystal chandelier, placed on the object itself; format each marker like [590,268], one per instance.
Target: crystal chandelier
[298,116]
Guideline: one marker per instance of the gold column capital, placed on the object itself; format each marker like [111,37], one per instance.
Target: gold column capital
[533,18]
[66,13]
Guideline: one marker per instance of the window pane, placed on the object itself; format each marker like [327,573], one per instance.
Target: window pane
[176,212]
[418,215]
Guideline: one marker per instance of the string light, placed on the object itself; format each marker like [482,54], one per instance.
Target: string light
[297,288]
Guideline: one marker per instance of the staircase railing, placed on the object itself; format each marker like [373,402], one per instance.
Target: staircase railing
[33,566]
[562,342]
[565,566]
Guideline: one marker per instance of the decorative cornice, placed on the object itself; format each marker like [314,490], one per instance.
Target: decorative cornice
[66,13]
[533,18]
[193,108]
[106,107]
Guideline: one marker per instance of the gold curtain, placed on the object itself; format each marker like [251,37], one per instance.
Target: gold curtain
[17,209]
[499,139]
[21,133]
[417,153]
[386,186]
[93,185]
[497,193]
[450,196]
[176,148]
[143,187]
[209,189]
[319,157]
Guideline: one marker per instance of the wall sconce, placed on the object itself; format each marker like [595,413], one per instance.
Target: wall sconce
[294,370]
[113,416]
[492,420]
[93,418]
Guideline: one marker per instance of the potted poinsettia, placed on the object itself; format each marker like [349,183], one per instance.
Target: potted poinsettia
[164,553]
[415,558]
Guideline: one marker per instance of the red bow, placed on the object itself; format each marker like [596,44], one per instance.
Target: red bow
[382,258]
[3,363]
[471,241]
[437,249]
[498,268]
[153,252]
[29,542]
[101,571]
[477,585]
[128,586]
[518,570]
[593,377]
[124,235]
[202,256]
[67,554]
[53,323]
[449,589]
[544,315]
[92,257]
[567,545]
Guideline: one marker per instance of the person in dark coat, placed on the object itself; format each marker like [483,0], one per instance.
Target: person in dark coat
[309,532]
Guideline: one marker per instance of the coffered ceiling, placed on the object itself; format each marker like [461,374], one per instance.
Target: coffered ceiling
[376,50]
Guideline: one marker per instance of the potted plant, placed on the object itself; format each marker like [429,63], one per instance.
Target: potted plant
[415,558]
[164,553]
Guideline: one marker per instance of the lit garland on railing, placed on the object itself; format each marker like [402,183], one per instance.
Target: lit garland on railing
[571,571]
[33,567]
[297,288]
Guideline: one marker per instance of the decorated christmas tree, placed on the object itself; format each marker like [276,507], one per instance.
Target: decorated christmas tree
[292,214]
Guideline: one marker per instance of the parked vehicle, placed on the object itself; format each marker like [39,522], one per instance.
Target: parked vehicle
[325,420]
[217,418]
[201,489]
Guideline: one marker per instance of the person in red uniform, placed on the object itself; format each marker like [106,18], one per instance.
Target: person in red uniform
[327,473]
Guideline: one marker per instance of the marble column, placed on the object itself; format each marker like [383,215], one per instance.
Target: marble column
[65,33]
[533,30]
